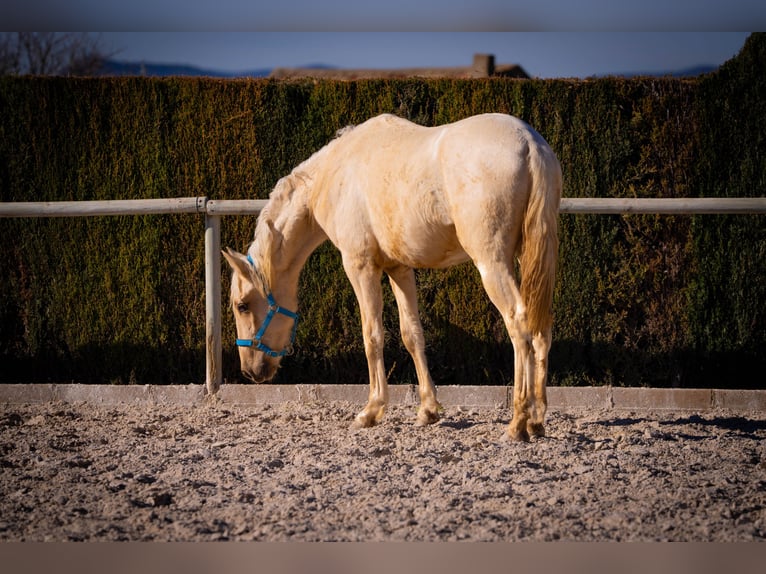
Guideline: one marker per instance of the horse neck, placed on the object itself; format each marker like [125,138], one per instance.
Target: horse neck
[289,235]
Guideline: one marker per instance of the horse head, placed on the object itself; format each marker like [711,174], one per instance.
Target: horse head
[265,331]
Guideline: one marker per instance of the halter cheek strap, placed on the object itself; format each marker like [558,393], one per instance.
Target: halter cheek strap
[273,310]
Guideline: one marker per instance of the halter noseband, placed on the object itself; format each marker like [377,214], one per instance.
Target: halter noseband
[273,310]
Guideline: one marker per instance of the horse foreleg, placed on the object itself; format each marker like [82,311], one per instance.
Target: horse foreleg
[366,282]
[405,290]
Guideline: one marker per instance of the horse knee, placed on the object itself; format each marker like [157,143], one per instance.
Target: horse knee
[408,339]
[414,342]
[373,343]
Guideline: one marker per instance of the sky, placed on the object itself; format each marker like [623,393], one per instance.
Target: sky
[548,38]
[541,54]
[385,15]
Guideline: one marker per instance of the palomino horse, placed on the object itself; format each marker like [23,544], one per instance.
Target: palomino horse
[393,196]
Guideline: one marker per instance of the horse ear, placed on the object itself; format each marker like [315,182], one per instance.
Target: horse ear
[237,261]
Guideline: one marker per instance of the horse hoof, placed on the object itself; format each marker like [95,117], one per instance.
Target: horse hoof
[362,422]
[517,435]
[426,418]
[536,430]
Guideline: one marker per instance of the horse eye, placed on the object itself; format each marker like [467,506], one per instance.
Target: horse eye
[242,307]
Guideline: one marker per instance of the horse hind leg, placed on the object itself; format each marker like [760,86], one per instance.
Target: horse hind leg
[405,291]
[502,289]
[523,398]
[530,400]
[541,344]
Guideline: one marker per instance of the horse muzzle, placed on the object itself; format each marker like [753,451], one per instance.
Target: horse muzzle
[260,374]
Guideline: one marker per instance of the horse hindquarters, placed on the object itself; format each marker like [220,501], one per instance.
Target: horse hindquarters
[526,309]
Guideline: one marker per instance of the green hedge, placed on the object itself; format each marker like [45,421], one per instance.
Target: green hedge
[640,300]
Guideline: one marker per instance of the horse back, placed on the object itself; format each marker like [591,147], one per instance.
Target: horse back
[410,194]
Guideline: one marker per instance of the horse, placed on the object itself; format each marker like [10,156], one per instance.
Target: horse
[394,196]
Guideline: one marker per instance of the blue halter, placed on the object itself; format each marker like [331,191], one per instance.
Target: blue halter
[273,310]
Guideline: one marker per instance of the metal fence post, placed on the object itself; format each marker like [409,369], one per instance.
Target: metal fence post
[213,350]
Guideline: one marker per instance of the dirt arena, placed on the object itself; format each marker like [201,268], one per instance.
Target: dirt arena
[79,472]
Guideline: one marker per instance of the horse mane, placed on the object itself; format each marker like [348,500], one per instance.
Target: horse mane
[343,131]
[263,238]
[279,199]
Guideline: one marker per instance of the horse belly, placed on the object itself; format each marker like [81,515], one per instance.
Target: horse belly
[418,234]
[427,250]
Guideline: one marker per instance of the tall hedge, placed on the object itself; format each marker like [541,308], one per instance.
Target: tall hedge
[640,300]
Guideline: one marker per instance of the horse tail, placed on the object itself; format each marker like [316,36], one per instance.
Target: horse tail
[539,242]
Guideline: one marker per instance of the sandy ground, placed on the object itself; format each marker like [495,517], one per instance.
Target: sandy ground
[77,472]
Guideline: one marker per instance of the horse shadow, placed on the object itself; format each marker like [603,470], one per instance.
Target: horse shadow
[735,424]
[739,424]
[457,424]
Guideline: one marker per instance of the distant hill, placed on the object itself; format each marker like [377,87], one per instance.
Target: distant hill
[685,73]
[118,68]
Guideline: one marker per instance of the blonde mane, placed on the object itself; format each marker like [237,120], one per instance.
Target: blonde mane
[263,239]
[279,199]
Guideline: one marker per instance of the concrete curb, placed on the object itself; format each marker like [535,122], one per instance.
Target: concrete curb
[559,398]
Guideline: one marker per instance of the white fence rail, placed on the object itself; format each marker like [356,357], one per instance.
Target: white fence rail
[214,209]
[106,207]
[666,206]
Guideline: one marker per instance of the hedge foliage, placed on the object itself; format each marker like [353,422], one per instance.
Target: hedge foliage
[640,300]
